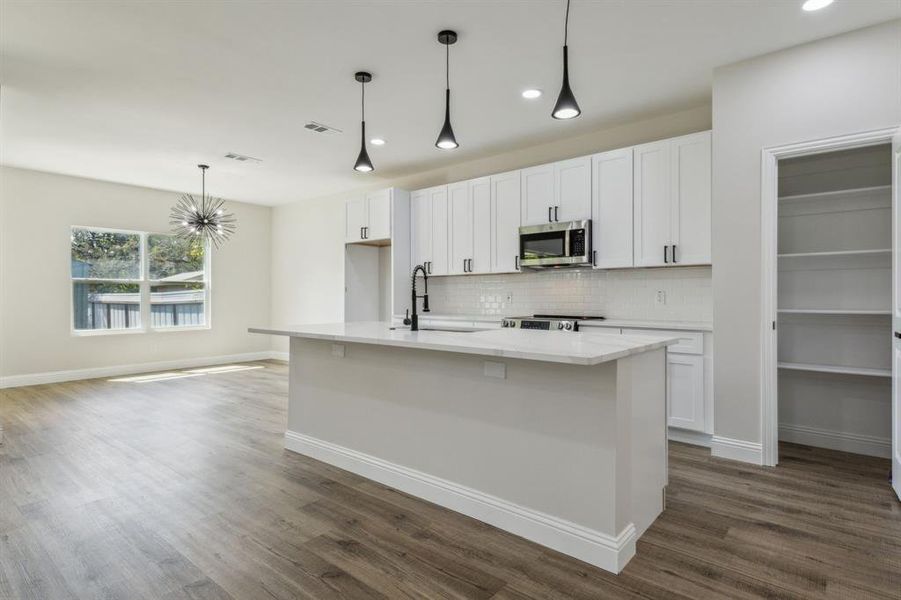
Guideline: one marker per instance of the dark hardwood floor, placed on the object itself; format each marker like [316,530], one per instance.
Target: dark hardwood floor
[180,488]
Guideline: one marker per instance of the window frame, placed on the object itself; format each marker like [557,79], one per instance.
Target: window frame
[144,284]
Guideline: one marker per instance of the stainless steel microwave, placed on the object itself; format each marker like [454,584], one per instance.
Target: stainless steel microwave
[555,245]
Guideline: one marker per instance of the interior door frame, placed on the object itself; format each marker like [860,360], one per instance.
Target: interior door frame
[769,268]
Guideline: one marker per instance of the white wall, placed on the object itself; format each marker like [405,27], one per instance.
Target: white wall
[308,248]
[36,212]
[840,85]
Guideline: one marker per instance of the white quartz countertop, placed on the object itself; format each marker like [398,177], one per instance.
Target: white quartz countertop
[582,348]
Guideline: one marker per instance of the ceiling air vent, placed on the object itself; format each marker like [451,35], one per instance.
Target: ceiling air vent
[320,128]
[242,157]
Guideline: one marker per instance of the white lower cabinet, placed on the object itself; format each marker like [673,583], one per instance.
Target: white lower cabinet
[685,391]
[688,378]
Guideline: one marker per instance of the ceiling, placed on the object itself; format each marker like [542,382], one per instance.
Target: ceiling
[140,92]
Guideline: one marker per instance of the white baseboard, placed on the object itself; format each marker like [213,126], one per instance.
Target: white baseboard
[836,440]
[695,438]
[599,549]
[115,371]
[749,452]
[280,356]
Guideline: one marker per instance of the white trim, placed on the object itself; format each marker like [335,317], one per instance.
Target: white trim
[279,356]
[744,451]
[836,440]
[113,371]
[769,199]
[686,436]
[596,548]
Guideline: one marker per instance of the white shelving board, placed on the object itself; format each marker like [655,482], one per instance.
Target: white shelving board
[834,311]
[865,371]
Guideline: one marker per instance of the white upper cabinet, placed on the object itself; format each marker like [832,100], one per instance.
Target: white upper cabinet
[480,259]
[572,189]
[379,215]
[421,234]
[558,191]
[652,203]
[692,197]
[611,210]
[438,264]
[368,218]
[672,201]
[355,219]
[537,194]
[460,220]
[505,220]
[469,227]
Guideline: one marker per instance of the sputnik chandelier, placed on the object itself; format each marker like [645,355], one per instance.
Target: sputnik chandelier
[205,219]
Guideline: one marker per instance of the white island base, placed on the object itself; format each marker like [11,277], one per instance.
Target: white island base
[571,456]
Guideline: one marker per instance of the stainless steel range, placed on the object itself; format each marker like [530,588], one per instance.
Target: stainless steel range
[548,322]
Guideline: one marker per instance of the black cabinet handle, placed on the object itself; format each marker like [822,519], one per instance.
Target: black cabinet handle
[516,262]
[898,334]
[549,214]
[665,255]
[555,213]
[594,258]
[674,254]
[361,233]
[469,262]
[429,267]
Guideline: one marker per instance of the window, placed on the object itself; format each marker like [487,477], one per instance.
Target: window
[122,280]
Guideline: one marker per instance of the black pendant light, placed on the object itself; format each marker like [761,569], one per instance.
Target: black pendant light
[566,107]
[446,139]
[363,164]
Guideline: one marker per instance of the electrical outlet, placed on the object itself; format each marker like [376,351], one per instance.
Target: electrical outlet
[661,297]
[509,297]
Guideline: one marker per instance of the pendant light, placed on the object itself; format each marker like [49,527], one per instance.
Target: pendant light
[363,164]
[206,219]
[566,107]
[446,139]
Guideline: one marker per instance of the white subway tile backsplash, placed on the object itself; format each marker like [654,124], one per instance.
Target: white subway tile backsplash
[627,294]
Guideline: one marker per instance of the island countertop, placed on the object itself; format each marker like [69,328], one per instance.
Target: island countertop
[578,348]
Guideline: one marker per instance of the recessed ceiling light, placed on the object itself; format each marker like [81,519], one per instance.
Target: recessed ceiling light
[811,5]
[377,142]
[531,94]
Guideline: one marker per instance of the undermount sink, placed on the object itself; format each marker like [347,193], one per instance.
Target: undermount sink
[448,329]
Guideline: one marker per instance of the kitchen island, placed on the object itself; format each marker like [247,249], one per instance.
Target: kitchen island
[559,437]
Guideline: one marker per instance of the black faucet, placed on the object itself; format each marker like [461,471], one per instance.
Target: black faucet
[413,320]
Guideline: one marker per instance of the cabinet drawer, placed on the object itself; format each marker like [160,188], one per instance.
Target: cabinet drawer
[690,342]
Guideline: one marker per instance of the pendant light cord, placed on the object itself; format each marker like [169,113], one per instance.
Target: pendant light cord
[363,100]
[566,25]
[447,66]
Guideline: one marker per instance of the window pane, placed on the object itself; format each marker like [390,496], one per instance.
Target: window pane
[175,259]
[177,305]
[106,254]
[106,305]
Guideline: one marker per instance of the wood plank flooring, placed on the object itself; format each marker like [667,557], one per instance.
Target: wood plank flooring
[180,488]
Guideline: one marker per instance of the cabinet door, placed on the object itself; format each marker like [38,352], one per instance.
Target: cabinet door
[459,207]
[685,391]
[355,219]
[438,263]
[538,195]
[651,203]
[421,226]
[572,189]
[612,209]
[480,191]
[505,220]
[379,215]
[691,198]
